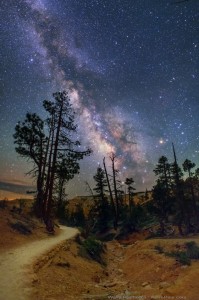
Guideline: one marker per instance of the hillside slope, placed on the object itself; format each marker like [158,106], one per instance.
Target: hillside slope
[133,270]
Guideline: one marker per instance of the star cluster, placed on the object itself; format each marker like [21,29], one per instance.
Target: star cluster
[132,70]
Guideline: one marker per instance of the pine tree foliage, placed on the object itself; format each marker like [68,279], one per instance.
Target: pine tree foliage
[50,145]
[103,208]
[173,197]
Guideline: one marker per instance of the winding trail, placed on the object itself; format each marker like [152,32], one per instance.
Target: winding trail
[15,264]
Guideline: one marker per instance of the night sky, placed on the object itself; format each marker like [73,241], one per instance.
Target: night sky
[133,70]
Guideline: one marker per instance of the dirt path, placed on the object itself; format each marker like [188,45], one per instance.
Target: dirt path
[15,265]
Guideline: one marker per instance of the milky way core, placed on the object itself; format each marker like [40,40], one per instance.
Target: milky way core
[131,69]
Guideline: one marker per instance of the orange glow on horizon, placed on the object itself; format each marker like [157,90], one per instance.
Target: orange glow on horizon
[13,196]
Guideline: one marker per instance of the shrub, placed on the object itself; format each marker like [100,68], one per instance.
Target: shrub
[172,253]
[183,258]
[192,250]
[92,248]
[180,256]
[21,228]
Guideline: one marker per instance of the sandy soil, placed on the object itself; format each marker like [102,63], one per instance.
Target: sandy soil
[16,265]
[10,238]
[156,276]
[38,266]
[133,271]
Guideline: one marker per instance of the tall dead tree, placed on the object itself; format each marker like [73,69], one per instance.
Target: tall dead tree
[114,171]
[183,216]
[114,209]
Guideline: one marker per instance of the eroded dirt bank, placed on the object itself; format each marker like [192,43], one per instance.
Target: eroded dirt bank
[133,271]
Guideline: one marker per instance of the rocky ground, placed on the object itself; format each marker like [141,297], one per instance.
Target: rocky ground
[133,271]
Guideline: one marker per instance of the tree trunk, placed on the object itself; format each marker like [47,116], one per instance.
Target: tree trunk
[115,187]
[115,222]
[52,175]
[180,195]
[40,182]
[50,145]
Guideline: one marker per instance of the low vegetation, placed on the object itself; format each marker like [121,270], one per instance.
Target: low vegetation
[180,256]
[21,227]
[92,249]
[184,255]
[192,250]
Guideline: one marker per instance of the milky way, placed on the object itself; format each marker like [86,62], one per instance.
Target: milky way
[131,68]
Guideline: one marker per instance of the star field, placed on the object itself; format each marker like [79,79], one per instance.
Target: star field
[132,68]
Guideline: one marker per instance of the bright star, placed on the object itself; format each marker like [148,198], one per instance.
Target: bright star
[161,141]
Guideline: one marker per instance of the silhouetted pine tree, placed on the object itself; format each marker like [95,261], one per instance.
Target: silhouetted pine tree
[32,144]
[189,186]
[183,210]
[48,148]
[103,208]
[129,182]
[161,204]
[162,198]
